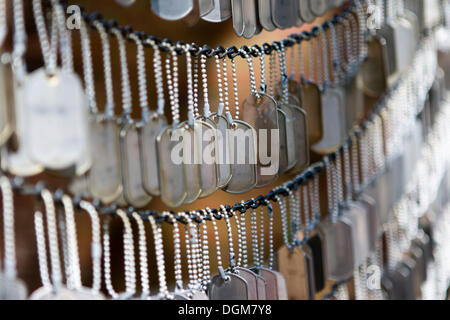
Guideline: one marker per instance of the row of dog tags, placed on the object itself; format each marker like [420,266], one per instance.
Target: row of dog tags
[249,16]
[135,158]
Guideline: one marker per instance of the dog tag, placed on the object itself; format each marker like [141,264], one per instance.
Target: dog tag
[275,284]
[339,249]
[261,114]
[243,158]
[312,104]
[12,289]
[57,126]
[406,42]
[234,287]
[374,219]
[171,174]
[289,144]
[223,164]
[206,137]
[251,279]
[133,186]
[372,77]
[333,121]
[221,11]
[387,32]
[294,265]
[205,7]
[148,133]
[6,102]
[358,217]
[283,13]
[265,15]
[125,3]
[301,142]
[318,7]
[354,103]
[172,9]
[250,17]
[105,177]
[304,11]
[284,157]
[238,16]
[316,243]
[191,163]
[261,285]
[17,162]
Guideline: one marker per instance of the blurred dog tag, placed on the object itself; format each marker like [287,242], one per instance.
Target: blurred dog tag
[172,9]
[171,174]
[234,287]
[133,186]
[148,133]
[191,163]
[6,102]
[305,12]
[333,121]
[265,15]
[283,13]
[57,125]
[238,16]
[205,7]
[220,13]
[243,158]
[261,114]
[105,177]
[222,151]
[206,137]
[312,104]
[318,7]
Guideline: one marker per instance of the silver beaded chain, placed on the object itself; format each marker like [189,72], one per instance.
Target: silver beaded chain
[206,106]
[235,89]
[20,40]
[232,257]
[251,69]
[107,69]
[96,245]
[176,251]
[125,77]
[41,249]
[159,253]
[52,232]
[143,258]
[88,70]
[142,77]
[10,268]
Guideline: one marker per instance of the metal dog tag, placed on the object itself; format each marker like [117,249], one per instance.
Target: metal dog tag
[333,121]
[243,158]
[206,137]
[265,15]
[288,146]
[18,162]
[205,7]
[358,217]
[252,282]
[283,13]
[316,244]
[12,289]
[339,249]
[57,126]
[301,142]
[374,219]
[406,41]
[354,103]
[133,186]
[372,77]
[7,102]
[234,287]
[220,13]
[304,11]
[250,16]
[261,284]
[312,104]
[171,174]
[191,163]
[261,114]
[172,9]
[223,164]
[105,177]
[275,284]
[148,133]
[294,265]
[238,16]
[318,7]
